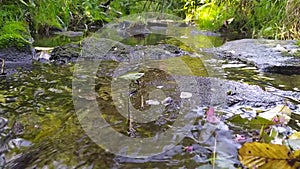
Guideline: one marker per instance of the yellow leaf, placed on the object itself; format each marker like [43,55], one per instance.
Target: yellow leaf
[297,154]
[294,141]
[295,136]
[267,156]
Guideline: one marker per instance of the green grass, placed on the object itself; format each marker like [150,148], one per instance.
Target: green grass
[13,40]
[14,34]
[277,19]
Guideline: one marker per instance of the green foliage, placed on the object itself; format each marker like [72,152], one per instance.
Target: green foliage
[66,13]
[292,19]
[255,123]
[261,18]
[15,28]
[10,12]
[14,34]
[9,40]
[63,14]
[207,15]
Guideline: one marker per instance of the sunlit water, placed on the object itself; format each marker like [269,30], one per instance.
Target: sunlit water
[43,130]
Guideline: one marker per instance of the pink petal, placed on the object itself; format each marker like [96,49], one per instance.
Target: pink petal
[275,119]
[188,148]
[210,116]
[240,138]
[210,112]
[282,120]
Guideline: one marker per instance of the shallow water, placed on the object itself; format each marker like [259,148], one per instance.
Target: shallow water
[43,130]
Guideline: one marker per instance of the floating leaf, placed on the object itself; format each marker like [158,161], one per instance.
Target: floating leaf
[254,123]
[294,141]
[132,76]
[267,156]
[295,136]
[280,113]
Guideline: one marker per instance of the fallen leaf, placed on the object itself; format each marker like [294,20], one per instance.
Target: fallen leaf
[132,76]
[279,114]
[255,123]
[294,141]
[295,135]
[267,156]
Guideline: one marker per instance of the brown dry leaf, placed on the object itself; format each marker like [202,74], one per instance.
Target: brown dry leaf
[267,156]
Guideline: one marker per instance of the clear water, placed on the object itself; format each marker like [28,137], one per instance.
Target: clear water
[43,130]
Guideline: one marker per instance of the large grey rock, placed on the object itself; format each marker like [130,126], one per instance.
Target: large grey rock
[100,49]
[268,55]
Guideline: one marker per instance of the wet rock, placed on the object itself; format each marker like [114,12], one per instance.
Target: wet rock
[207,91]
[15,58]
[69,33]
[204,33]
[118,52]
[65,54]
[128,28]
[268,55]
[226,93]
[291,95]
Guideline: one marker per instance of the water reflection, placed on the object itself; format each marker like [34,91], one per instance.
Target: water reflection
[42,115]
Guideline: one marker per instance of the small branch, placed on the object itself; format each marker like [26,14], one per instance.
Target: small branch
[214,153]
[2,66]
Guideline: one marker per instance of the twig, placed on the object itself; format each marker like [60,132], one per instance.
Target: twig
[2,66]
[214,153]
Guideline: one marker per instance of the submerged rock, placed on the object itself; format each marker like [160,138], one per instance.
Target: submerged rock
[272,56]
[226,93]
[14,59]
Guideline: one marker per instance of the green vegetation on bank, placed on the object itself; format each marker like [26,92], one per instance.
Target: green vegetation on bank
[258,18]
[14,34]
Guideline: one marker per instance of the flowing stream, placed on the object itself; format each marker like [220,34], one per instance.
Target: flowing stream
[40,129]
